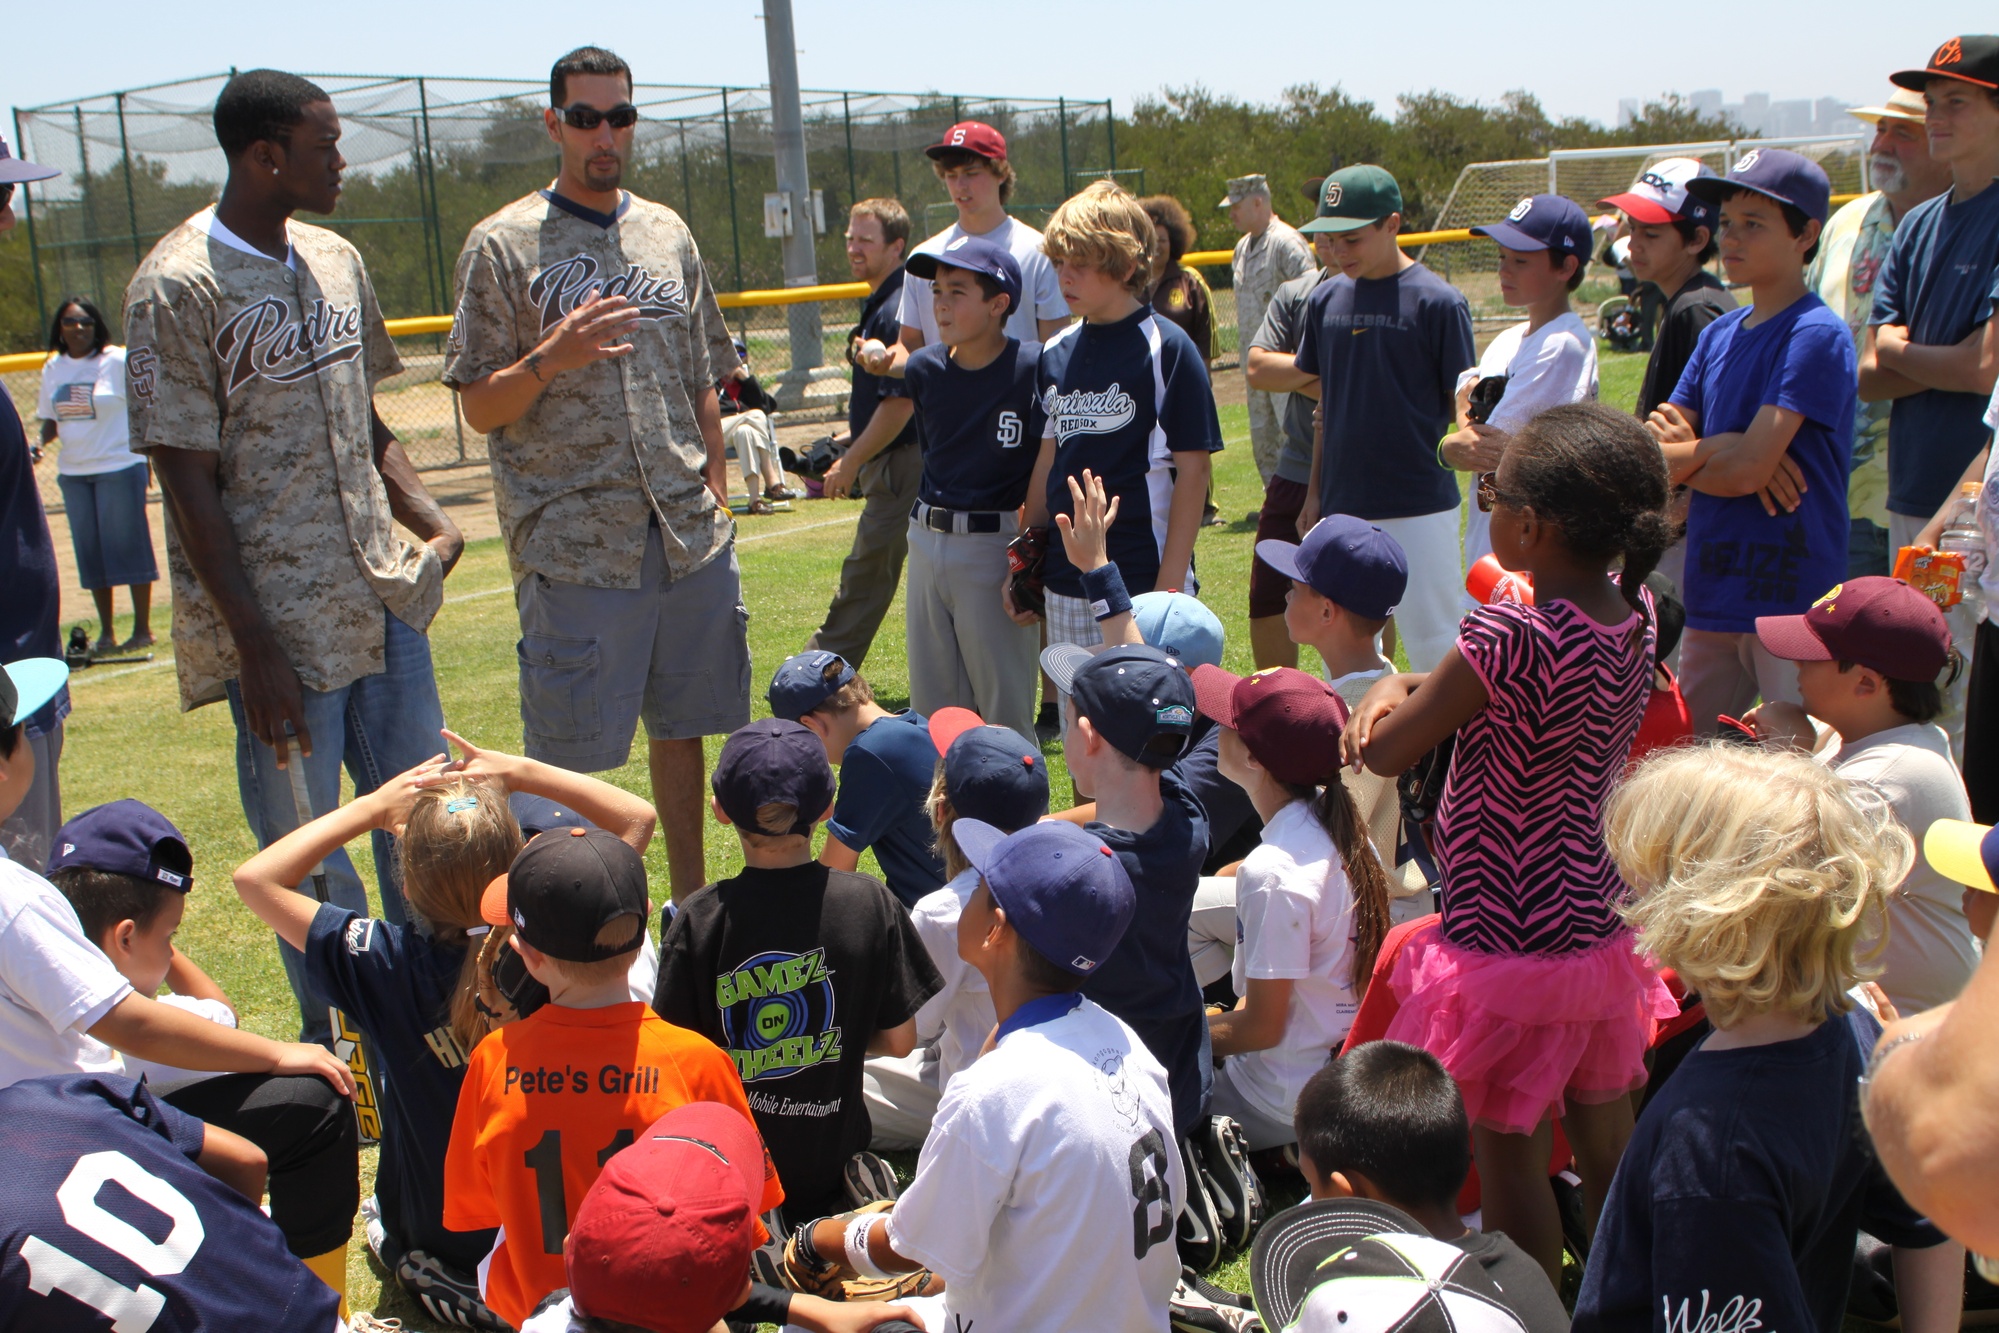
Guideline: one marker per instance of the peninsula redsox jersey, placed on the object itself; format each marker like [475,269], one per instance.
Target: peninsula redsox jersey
[608,447]
[106,1222]
[546,1102]
[1121,399]
[271,365]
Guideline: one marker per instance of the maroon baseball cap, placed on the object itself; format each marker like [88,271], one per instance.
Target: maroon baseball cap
[1290,721]
[1876,622]
[663,1239]
[971,136]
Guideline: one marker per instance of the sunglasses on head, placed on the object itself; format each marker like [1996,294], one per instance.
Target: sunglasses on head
[1489,495]
[581,117]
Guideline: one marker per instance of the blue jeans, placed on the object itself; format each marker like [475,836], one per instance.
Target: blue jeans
[1867,549]
[377,727]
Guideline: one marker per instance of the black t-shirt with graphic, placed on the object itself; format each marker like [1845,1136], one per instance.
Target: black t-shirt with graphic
[791,972]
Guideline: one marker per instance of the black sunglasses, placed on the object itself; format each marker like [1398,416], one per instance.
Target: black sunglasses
[1488,494]
[581,117]
[6,193]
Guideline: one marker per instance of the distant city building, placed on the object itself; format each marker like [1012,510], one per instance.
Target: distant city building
[1789,119]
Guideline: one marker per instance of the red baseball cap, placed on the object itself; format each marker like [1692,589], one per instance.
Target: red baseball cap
[971,136]
[1290,721]
[663,1240]
[1876,622]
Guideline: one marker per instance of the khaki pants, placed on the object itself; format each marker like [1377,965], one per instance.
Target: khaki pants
[1266,431]
[868,579]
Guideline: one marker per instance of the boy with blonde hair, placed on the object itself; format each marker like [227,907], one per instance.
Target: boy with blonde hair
[1758,876]
[1126,395]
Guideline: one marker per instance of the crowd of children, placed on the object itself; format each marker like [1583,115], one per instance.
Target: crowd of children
[1248,958]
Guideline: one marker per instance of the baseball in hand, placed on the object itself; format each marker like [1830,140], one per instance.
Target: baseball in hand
[873,350]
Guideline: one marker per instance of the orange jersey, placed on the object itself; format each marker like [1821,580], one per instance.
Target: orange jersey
[545,1104]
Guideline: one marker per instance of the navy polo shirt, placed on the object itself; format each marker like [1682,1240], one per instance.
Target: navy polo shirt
[878,321]
[396,983]
[29,624]
[1121,399]
[981,428]
[1742,562]
[1388,353]
[1939,281]
[884,781]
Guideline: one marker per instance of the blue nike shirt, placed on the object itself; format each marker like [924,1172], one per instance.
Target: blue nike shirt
[981,428]
[1121,399]
[106,1221]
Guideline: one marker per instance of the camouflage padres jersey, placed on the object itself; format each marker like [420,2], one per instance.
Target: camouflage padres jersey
[272,366]
[608,445]
[1264,263]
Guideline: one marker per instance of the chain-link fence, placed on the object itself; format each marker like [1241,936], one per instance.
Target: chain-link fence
[1486,191]
[428,157]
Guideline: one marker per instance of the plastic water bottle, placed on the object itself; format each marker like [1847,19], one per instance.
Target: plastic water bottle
[1964,535]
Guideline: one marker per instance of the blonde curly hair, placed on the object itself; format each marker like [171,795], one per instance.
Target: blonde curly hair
[1104,228]
[1760,876]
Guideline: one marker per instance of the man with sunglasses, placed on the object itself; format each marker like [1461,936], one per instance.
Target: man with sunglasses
[587,347]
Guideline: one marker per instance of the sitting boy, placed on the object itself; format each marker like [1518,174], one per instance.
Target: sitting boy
[1757,877]
[127,873]
[1869,655]
[975,404]
[798,971]
[1347,576]
[682,1200]
[885,761]
[549,1099]
[1051,1147]
[996,776]
[70,1264]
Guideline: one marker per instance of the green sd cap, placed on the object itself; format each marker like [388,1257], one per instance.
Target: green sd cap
[1354,197]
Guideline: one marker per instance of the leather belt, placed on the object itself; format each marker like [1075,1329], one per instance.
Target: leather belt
[954,520]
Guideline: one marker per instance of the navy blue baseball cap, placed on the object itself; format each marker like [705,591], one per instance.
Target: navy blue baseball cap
[1138,698]
[1347,560]
[805,681]
[1775,173]
[773,762]
[974,254]
[1180,625]
[1059,885]
[992,774]
[125,838]
[1543,222]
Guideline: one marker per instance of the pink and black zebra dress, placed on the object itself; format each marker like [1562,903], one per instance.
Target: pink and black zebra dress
[1531,993]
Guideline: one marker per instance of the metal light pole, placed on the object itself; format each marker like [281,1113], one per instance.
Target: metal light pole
[787,124]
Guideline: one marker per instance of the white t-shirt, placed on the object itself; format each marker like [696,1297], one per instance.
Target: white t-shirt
[165,1078]
[559,1317]
[85,397]
[1294,913]
[1930,954]
[1055,1145]
[1040,293]
[955,1021]
[1553,365]
[54,983]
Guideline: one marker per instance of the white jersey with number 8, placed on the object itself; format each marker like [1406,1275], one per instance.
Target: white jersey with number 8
[1046,1193]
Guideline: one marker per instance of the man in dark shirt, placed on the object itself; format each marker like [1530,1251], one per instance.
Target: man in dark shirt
[879,466]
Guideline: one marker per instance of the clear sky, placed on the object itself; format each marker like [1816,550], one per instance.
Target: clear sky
[1579,59]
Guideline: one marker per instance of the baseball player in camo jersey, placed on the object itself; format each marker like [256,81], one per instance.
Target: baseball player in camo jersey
[587,347]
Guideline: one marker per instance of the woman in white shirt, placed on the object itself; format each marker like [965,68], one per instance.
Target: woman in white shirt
[103,482]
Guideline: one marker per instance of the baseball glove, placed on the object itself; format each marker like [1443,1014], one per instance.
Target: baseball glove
[805,1270]
[1025,555]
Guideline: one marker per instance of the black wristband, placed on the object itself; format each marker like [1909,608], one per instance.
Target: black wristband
[801,1240]
[1104,590]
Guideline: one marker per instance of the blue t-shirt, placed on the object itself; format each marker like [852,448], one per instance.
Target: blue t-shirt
[141,1236]
[1148,980]
[878,321]
[1939,281]
[1737,1202]
[395,983]
[981,428]
[1742,562]
[884,781]
[1121,399]
[1388,353]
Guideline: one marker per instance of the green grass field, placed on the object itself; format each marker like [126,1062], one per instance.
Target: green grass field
[127,736]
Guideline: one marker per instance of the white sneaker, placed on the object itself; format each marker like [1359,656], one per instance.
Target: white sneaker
[377,1234]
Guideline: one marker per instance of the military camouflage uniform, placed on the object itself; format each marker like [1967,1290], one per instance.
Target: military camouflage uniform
[601,483]
[1261,265]
[271,366]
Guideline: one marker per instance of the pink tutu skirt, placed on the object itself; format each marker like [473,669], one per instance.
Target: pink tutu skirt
[1524,1034]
